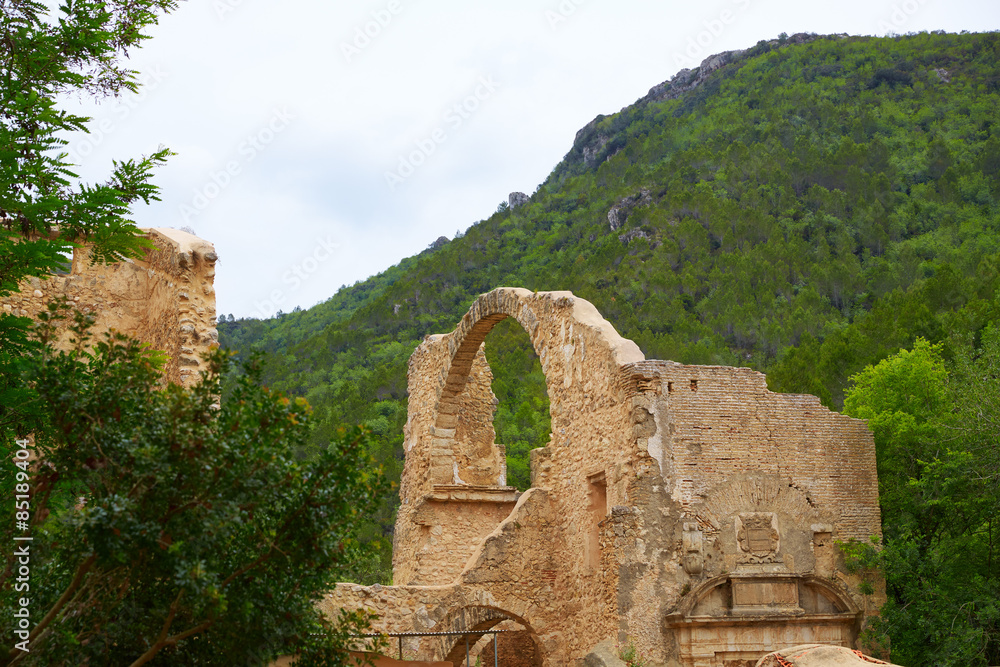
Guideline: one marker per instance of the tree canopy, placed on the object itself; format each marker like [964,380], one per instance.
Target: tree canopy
[153,525]
[44,209]
[168,529]
[934,423]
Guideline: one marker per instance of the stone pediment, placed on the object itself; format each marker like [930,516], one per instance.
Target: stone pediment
[756,612]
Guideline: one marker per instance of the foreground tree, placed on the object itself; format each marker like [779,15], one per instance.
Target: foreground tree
[164,529]
[44,211]
[169,530]
[935,428]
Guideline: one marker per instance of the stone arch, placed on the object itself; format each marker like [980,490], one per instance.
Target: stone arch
[751,613]
[569,336]
[480,619]
[699,601]
[754,490]
[841,600]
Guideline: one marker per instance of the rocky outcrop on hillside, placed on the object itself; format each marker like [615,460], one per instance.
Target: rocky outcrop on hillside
[515,199]
[591,146]
[634,234]
[620,211]
[687,79]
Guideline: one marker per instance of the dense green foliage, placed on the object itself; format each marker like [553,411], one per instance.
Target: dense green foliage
[144,524]
[807,218]
[935,427]
[812,208]
[43,211]
[165,528]
[522,418]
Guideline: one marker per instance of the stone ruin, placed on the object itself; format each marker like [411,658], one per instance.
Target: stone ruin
[166,299]
[818,655]
[684,509]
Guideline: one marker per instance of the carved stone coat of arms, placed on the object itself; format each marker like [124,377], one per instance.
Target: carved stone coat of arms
[758,537]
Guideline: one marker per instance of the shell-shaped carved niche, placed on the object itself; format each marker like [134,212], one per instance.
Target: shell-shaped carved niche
[760,521]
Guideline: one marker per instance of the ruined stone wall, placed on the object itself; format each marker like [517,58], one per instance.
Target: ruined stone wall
[513,649]
[713,422]
[452,522]
[581,356]
[433,541]
[492,588]
[681,508]
[478,459]
[166,299]
[724,451]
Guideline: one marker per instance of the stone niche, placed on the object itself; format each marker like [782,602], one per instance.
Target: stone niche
[740,616]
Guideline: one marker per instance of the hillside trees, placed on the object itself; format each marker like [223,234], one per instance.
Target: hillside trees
[805,219]
[522,420]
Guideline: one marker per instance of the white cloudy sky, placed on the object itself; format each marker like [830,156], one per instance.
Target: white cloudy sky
[286,117]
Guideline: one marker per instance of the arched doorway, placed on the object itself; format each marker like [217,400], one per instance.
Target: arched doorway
[518,644]
[522,421]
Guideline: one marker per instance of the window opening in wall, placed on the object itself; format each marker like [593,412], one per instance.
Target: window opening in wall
[694,385]
[511,645]
[522,421]
[597,496]
[670,387]
[65,266]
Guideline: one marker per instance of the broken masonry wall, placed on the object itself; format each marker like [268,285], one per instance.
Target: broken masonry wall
[165,299]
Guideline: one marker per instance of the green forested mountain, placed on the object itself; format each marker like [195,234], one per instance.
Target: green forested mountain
[808,207]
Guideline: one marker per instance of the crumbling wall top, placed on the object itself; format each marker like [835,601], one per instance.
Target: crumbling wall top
[166,298]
